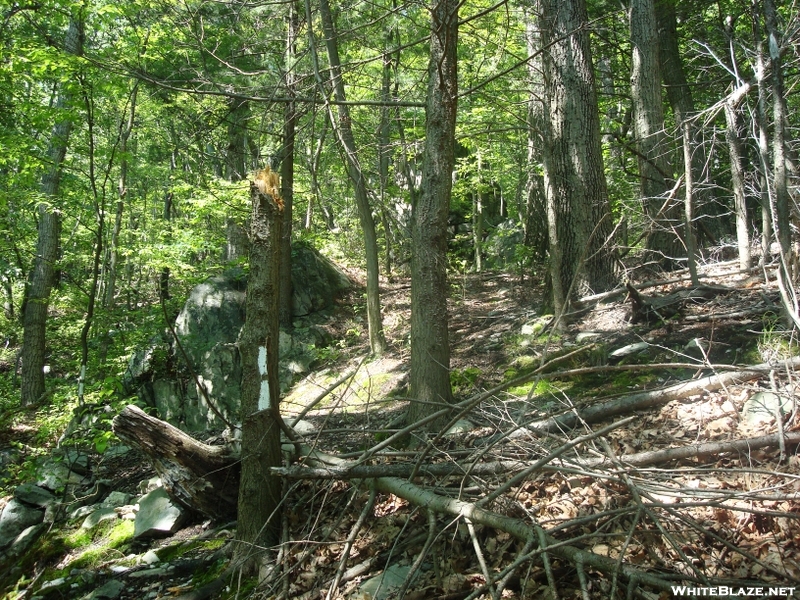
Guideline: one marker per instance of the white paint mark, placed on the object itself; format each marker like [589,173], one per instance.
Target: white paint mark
[263,396]
[262,361]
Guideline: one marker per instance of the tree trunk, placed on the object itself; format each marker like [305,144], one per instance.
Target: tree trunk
[259,494]
[738,182]
[287,175]
[430,346]
[42,276]
[578,213]
[534,226]
[688,185]
[100,212]
[648,126]
[763,138]
[202,478]
[344,131]
[122,193]
[779,171]
[679,94]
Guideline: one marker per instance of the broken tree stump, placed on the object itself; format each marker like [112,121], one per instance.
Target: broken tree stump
[202,478]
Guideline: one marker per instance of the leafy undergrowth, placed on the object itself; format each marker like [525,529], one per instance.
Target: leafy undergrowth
[581,520]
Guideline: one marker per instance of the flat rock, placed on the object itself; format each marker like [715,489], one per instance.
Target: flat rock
[386,584]
[116,499]
[761,407]
[98,516]
[55,475]
[460,426]
[630,349]
[108,591]
[34,495]
[16,518]
[158,515]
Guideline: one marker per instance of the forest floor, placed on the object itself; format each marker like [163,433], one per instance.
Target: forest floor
[715,516]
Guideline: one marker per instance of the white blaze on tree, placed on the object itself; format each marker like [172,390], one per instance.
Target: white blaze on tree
[263,396]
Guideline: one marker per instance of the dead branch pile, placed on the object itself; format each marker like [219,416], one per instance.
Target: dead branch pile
[552,504]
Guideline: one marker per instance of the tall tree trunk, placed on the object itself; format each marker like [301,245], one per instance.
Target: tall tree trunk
[258,523]
[236,154]
[688,222]
[122,193]
[287,174]
[732,131]
[578,212]
[779,172]
[99,198]
[344,131]
[763,137]
[534,226]
[430,345]
[42,276]
[648,126]
[384,148]
[679,94]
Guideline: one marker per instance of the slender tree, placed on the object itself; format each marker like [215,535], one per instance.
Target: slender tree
[42,276]
[648,126]
[430,346]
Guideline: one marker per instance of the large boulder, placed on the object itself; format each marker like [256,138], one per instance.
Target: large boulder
[179,379]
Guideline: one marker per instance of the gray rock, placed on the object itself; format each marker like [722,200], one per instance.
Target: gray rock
[148,485]
[208,328]
[83,511]
[98,516]
[115,499]
[587,336]
[386,584]
[158,516]
[761,407]
[23,542]
[459,427]
[32,494]
[15,519]
[303,427]
[629,350]
[56,475]
[108,591]
[537,325]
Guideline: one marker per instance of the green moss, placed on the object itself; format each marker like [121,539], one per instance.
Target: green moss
[102,543]
[168,553]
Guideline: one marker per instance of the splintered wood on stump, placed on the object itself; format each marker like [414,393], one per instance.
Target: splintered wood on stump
[258,524]
[202,478]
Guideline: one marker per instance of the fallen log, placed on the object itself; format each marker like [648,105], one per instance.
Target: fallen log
[200,477]
[648,399]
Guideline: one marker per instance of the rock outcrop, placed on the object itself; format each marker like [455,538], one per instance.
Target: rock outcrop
[195,384]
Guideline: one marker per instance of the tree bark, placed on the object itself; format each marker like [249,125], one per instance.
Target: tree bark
[287,174]
[779,171]
[344,131]
[42,276]
[259,494]
[430,345]
[734,141]
[202,478]
[578,212]
[648,126]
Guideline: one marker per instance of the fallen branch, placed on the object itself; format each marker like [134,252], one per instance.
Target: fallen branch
[345,471]
[700,451]
[515,527]
[632,402]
